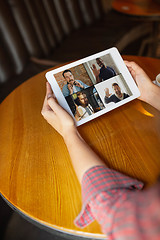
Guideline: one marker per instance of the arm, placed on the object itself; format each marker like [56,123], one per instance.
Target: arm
[107,100]
[107,96]
[112,70]
[66,91]
[96,73]
[150,93]
[112,187]
[82,156]
[80,112]
[80,84]
[70,88]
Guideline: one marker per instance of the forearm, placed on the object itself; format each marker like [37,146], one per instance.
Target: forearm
[98,80]
[153,97]
[82,156]
[106,99]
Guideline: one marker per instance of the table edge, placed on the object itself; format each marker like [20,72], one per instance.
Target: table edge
[52,228]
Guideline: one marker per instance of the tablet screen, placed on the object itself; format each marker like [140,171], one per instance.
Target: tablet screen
[93,86]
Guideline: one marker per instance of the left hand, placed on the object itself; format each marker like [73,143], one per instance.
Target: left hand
[107,92]
[77,84]
[96,72]
[56,116]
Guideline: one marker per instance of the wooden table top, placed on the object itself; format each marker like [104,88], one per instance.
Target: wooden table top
[36,175]
[143,8]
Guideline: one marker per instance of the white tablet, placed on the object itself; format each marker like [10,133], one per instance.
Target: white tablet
[93,86]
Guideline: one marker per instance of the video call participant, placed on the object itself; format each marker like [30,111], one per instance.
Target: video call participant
[118,96]
[83,108]
[72,85]
[104,72]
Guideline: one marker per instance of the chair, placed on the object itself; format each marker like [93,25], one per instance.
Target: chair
[37,36]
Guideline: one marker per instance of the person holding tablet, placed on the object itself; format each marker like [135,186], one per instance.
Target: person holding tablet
[113,199]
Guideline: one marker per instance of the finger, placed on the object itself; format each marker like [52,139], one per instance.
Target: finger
[45,103]
[57,109]
[49,92]
[128,63]
[130,69]
[133,65]
[48,88]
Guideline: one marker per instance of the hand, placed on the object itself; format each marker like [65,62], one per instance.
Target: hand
[95,70]
[77,114]
[56,116]
[144,83]
[76,83]
[70,88]
[107,92]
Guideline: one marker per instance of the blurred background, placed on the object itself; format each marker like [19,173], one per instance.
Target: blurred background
[38,34]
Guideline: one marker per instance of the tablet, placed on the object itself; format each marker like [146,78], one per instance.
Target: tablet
[93,86]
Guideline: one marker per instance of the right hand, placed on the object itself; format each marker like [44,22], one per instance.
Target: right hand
[95,70]
[70,88]
[107,92]
[77,114]
[144,83]
[78,84]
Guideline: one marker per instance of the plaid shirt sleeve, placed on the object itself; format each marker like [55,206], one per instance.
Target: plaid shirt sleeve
[116,202]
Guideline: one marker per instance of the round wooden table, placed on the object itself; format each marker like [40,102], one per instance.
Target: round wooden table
[36,175]
[147,10]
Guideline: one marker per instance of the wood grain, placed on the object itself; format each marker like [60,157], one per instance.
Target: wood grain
[36,175]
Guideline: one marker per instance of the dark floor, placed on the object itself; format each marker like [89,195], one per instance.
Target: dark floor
[20,229]
[15,227]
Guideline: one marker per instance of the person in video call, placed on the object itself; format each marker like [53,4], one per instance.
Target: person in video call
[104,73]
[110,197]
[83,108]
[72,85]
[117,96]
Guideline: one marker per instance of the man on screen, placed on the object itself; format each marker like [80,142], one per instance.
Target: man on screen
[104,73]
[117,96]
[72,85]
[83,108]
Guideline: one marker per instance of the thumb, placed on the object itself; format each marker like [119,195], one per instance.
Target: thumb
[57,109]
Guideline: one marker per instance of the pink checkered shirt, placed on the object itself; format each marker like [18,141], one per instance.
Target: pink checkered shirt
[116,202]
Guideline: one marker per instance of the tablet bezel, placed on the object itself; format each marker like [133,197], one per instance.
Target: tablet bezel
[122,69]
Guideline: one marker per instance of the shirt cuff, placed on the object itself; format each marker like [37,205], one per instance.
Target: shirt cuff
[100,179]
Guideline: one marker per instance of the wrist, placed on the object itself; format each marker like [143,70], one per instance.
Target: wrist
[70,135]
[155,97]
[151,94]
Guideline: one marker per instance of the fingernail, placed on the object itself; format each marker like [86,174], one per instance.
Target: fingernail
[49,96]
